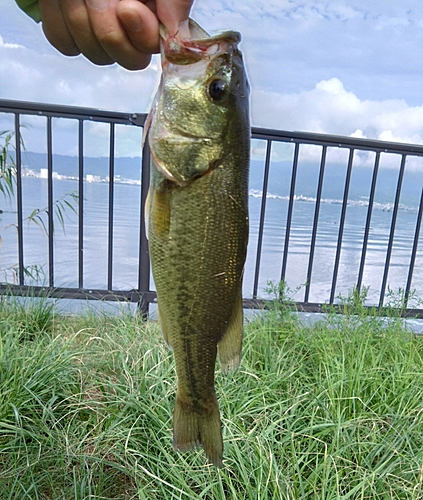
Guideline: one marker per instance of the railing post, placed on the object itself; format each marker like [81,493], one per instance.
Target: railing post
[392,231]
[81,204]
[368,220]
[341,225]
[290,211]
[111,206]
[19,198]
[315,223]
[50,202]
[144,255]
[414,251]
[262,216]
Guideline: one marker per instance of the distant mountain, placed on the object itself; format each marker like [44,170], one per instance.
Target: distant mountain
[125,167]
[279,181]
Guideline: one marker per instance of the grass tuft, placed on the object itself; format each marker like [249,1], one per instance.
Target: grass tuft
[329,411]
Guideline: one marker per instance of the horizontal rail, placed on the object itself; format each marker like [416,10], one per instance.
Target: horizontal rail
[74,293]
[135,296]
[61,111]
[323,308]
[336,141]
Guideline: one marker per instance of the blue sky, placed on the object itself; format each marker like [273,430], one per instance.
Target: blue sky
[349,68]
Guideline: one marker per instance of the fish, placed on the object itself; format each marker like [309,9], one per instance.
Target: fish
[197,211]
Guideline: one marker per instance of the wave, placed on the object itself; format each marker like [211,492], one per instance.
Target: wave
[385,207]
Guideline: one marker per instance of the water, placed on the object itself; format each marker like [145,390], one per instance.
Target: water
[96,212]
[126,232]
[325,251]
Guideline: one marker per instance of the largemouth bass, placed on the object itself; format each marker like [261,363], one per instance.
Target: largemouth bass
[198,221]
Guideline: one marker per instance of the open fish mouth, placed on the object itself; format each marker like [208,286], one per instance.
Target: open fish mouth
[200,46]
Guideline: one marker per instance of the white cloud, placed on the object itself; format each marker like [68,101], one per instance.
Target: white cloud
[6,45]
[30,76]
[305,11]
[358,133]
[330,108]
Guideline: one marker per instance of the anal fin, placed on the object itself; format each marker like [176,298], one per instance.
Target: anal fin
[230,345]
[163,326]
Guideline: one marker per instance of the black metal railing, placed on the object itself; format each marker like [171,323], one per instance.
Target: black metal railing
[295,144]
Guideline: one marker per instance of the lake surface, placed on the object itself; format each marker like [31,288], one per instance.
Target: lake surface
[126,232]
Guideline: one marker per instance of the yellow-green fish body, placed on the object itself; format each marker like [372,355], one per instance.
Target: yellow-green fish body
[198,221]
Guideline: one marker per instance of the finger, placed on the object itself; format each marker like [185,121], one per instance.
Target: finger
[55,28]
[141,25]
[77,21]
[112,35]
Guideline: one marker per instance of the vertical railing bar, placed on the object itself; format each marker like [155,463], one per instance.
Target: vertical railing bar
[111,207]
[81,204]
[290,210]
[341,226]
[315,222]
[19,202]
[368,221]
[414,251]
[262,216]
[50,201]
[144,255]
[392,231]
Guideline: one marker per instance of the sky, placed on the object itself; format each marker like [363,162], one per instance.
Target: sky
[351,67]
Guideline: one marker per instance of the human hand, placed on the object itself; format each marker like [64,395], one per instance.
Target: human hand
[109,31]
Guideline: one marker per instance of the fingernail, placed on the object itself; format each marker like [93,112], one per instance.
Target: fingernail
[131,23]
[98,4]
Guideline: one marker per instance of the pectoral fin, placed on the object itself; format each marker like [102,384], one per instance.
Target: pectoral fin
[230,345]
[147,213]
[159,209]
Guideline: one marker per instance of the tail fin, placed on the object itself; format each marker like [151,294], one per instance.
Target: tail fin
[198,428]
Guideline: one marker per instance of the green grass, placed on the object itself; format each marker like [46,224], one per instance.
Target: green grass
[330,411]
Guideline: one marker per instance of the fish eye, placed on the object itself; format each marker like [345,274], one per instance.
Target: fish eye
[217,89]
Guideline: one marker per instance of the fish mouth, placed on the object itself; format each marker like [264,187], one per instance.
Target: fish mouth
[200,46]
